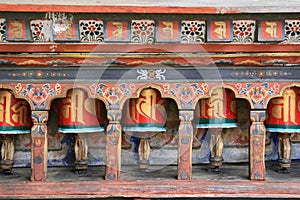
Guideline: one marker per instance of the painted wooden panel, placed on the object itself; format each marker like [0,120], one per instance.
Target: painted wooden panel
[219,31]
[17,30]
[271,30]
[117,31]
[168,31]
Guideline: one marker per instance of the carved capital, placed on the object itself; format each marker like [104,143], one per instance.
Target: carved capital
[258,115]
[39,119]
[114,116]
[186,115]
[39,116]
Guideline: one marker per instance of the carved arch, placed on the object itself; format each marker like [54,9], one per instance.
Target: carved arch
[68,88]
[18,96]
[280,93]
[138,91]
[225,86]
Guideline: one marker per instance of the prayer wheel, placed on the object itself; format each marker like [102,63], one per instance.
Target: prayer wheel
[146,113]
[144,117]
[15,118]
[283,117]
[78,114]
[216,113]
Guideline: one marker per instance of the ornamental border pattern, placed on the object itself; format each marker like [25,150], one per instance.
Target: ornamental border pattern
[149,31]
[186,95]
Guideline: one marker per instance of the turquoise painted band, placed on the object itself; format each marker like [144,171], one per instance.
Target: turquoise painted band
[80,129]
[14,129]
[224,125]
[283,128]
[144,127]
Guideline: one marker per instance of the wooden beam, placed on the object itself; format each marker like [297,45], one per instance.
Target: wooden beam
[145,48]
[153,8]
[151,189]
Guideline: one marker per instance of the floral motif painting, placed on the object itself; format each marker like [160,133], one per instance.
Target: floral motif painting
[41,30]
[192,31]
[151,74]
[143,31]
[2,30]
[91,30]
[243,31]
[292,31]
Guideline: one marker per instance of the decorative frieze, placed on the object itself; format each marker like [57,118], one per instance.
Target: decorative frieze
[65,27]
[41,30]
[292,31]
[117,31]
[271,30]
[2,30]
[143,31]
[91,30]
[17,30]
[219,31]
[167,31]
[193,31]
[243,31]
[65,30]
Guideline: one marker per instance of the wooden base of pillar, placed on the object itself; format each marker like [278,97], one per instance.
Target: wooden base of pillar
[284,152]
[81,149]
[7,154]
[216,148]
[144,153]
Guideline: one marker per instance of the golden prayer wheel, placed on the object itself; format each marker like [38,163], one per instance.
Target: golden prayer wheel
[216,113]
[15,118]
[144,117]
[284,112]
[146,113]
[79,114]
[283,117]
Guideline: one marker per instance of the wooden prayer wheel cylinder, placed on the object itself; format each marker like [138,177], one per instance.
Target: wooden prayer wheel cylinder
[78,114]
[283,117]
[144,117]
[15,118]
[216,113]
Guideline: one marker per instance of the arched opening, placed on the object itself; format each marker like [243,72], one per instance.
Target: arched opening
[283,123]
[222,134]
[76,129]
[150,126]
[15,122]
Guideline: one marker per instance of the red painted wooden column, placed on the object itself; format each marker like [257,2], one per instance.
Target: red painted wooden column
[39,149]
[113,145]
[257,144]
[185,144]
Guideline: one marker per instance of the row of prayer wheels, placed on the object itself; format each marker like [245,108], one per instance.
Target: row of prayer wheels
[144,117]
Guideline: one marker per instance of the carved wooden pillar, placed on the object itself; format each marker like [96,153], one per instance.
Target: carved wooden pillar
[257,144]
[185,144]
[39,147]
[113,145]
